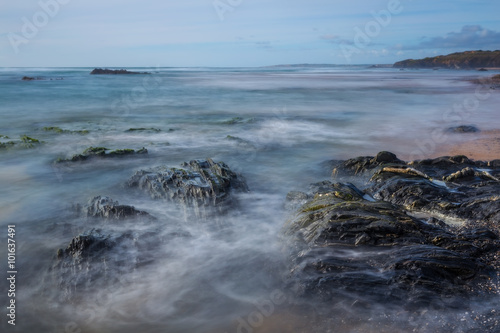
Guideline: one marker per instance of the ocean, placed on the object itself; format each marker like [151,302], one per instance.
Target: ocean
[276,126]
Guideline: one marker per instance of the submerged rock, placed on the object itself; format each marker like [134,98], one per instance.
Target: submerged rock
[102,152]
[200,184]
[58,130]
[369,246]
[98,258]
[142,129]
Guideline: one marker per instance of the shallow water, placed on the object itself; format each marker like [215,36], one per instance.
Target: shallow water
[275,126]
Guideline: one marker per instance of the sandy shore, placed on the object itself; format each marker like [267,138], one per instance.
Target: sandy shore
[482,146]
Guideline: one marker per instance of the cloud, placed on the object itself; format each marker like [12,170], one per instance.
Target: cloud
[470,37]
[335,39]
[264,45]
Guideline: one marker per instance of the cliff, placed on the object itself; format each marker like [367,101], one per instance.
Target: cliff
[459,60]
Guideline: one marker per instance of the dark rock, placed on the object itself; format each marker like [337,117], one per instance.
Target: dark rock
[104,207]
[201,184]
[142,129]
[28,78]
[114,71]
[97,259]
[364,164]
[463,129]
[386,157]
[349,248]
[102,152]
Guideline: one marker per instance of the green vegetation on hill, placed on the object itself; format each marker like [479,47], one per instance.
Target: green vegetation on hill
[459,60]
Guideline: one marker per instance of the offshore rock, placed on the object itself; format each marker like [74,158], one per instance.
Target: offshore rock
[114,71]
[200,184]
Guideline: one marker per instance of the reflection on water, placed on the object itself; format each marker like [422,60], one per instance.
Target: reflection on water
[275,126]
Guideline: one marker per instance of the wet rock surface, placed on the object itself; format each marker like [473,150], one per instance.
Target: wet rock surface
[102,152]
[199,185]
[119,239]
[385,240]
[98,257]
[106,207]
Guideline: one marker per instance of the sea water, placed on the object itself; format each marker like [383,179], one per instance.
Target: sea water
[274,125]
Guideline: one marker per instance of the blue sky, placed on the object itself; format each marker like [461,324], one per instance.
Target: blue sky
[126,33]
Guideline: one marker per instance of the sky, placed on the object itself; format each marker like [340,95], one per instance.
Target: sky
[242,33]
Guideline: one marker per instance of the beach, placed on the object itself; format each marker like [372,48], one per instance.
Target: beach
[199,199]
[483,146]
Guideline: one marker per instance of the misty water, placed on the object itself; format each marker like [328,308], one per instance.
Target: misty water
[275,126]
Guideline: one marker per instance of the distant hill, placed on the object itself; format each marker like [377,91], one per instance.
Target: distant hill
[459,60]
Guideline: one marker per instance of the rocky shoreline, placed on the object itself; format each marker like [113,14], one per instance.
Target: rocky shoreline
[394,237]
[410,235]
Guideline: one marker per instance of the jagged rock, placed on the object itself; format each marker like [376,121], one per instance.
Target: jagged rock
[388,243]
[364,164]
[200,184]
[97,258]
[350,248]
[454,186]
[105,207]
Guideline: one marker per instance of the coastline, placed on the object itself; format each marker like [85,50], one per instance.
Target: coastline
[484,146]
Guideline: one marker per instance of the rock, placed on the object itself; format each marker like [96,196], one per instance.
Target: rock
[28,78]
[59,130]
[364,164]
[200,184]
[102,152]
[28,142]
[142,129]
[97,259]
[105,207]
[350,249]
[463,129]
[114,71]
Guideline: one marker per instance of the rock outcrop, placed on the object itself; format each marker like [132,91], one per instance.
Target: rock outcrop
[105,207]
[386,240]
[200,185]
[96,258]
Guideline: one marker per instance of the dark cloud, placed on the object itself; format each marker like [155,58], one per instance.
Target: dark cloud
[470,37]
